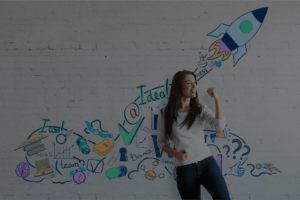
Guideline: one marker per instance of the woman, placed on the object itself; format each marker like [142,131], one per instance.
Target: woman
[182,121]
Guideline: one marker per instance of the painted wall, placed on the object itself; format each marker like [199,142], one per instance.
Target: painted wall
[82,83]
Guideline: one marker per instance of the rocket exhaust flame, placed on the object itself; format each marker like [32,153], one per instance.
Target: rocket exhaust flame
[221,49]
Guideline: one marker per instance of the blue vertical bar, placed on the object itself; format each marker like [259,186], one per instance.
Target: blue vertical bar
[155,122]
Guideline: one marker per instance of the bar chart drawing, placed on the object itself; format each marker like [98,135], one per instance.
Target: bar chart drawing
[63,152]
[153,120]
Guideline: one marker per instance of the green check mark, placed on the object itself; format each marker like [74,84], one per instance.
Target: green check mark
[128,137]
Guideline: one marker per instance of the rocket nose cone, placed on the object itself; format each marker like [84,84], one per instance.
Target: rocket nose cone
[260,14]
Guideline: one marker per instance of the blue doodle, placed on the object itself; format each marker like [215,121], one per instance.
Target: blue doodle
[214,146]
[57,168]
[168,170]
[135,157]
[138,167]
[205,137]
[161,103]
[123,156]
[117,137]
[61,136]
[248,150]
[244,162]
[218,63]
[79,160]
[239,146]
[44,179]
[29,162]
[60,182]
[213,137]
[260,173]
[237,136]
[91,142]
[204,75]
[123,171]
[93,168]
[237,170]
[228,149]
[78,135]
[96,131]
[141,141]
[202,63]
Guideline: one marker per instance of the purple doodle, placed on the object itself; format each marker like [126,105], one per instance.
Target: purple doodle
[212,64]
[23,170]
[223,47]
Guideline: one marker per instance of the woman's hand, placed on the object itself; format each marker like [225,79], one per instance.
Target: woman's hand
[183,155]
[213,93]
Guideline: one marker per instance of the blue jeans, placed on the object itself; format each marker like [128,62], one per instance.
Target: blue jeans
[205,172]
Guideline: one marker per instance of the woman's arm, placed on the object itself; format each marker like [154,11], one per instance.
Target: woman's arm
[181,155]
[217,120]
[219,109]
[166,148]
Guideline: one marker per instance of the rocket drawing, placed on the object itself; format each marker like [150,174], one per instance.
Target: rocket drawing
[236,35]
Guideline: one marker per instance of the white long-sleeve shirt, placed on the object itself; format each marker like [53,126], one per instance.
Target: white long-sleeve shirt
[193,139]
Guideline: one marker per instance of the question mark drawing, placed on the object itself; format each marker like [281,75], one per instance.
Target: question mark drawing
[248,151]
[227,150]
[239,147]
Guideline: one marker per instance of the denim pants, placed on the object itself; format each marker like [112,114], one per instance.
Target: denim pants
[205,172]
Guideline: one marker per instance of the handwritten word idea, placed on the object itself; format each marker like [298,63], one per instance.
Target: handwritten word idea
[162,94]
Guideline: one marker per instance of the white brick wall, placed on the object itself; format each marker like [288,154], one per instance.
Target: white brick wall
[82,61]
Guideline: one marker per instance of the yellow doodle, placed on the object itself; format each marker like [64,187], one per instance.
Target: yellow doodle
[104,147]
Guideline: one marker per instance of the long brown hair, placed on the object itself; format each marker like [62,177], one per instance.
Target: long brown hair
[171,110]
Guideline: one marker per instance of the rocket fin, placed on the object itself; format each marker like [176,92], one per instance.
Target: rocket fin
[218,31]
[241,51]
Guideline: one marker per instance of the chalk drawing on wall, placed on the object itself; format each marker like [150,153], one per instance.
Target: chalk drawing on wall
[123,152]
[116,172]
[128,136]
[237,35]
[104,147]
[62,152]
[167,162]
[132,113]
[236,170]
[83,146]
[202,63]
[143,167]
[267,166]
[33,145]
[92,129]
[161,105]
[175,173]
[113,159]
[95,166]
[42,167]
[133,116]
[134,157]
[78,175]
[215,134]
[22,170]
[259,167]
[141,143]
[150,175]
[213,64]
[145,129]
[228,150]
